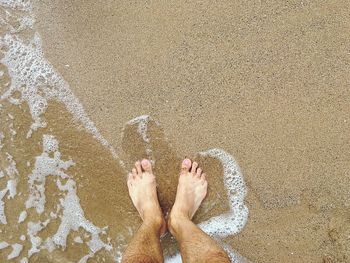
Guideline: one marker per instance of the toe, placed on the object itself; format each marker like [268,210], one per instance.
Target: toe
[194,168]
[205,185]
[199,172]
[134,172]
[186,165]
[138,167]
[146,165]
[203,178]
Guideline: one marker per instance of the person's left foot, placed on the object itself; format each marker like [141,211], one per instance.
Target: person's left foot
[143,193]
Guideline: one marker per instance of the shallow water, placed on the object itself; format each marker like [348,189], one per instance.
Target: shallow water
[267,82]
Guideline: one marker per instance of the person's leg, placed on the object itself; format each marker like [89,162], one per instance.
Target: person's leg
[145,245]
[195,245]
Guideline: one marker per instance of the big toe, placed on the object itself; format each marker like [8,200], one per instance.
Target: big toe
[146,165]
[186,165]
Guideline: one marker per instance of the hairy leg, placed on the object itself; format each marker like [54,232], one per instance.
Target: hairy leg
[195,245]
[145,245]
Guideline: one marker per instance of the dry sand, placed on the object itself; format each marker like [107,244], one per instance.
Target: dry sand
[268,81]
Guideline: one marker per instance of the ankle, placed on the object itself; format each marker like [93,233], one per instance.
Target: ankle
[176,222]
[157,222]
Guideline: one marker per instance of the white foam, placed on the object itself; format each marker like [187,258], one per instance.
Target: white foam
[95,245]
[16,250]
[22,216]
[37,81]
[11,170]
[72,217]
[3,245]
[2,137]
[234,255]
[17,4]
[142,128]
[33,228]
[78,239]
[234,220]
[3,219]
[26,22]
[45,166]
[142,122]
[174,259]
[11,186]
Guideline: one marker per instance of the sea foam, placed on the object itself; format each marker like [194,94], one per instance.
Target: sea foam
[72,217]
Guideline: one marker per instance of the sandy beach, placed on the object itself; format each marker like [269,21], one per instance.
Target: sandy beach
[266,81]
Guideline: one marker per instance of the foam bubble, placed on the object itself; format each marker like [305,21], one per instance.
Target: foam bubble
[26,22]
[78,239]
[233,255]
[142,122]
[17,4]
[142,129]
[3,219]
[11,186]
[233,221]
[22,216]
[16,250]
[174,259]
[11,169]
[3,245]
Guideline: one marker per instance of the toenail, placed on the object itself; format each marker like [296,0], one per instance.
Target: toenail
[187,161]
[145,162]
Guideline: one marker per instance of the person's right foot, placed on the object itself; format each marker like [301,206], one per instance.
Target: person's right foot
[143,193]
[191,191]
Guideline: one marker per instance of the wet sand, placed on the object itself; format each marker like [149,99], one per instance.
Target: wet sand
[266,81]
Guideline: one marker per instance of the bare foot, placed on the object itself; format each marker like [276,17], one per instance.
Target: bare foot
[143,193]
[191,191]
